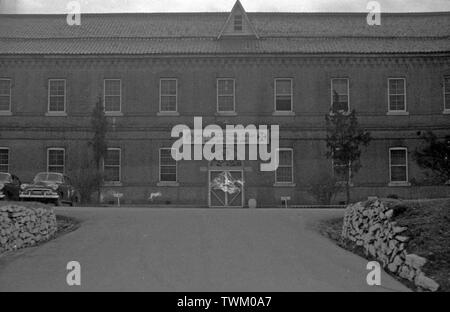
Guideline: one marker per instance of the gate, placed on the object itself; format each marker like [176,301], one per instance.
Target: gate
[226,189]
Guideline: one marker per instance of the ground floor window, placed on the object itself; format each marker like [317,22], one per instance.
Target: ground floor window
[341,170]
[4,160]
[55,160]
[398,162]
[112,165]
[285,171]
[167,166]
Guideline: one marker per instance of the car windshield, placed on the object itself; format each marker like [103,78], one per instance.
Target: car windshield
[4,177]
[48,177]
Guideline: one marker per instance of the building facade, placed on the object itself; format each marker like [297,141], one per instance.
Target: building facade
[155,71]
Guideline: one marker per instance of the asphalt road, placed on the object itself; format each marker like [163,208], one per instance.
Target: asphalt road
[138,249]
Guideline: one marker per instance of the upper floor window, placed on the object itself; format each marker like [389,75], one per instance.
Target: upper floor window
[397,94]
[283,95]
[112,165]
[57,96]
[5,95]
[398,163]
[238,22]
[55,160]
[447,93]
[168,95]
[340,98]
[167,166]
[225,95]
[4,159]
[113,95]
[285,171]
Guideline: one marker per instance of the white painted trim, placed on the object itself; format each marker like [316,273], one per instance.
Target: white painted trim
[116,113]
[390,166]
[161,95]
[275,95]
[348,92]
[65,97]
[445,93]
[176,166]
[64,157]
[120,166]
[223,95]
[405,110]
[285,183]
[7,112]
[9,155]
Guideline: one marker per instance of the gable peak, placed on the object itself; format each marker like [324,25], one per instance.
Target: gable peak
[238,24]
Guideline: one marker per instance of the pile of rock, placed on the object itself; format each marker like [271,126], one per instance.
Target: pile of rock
[370,225]
[25,226]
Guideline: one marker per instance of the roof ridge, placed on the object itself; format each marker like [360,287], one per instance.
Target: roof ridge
[227,13]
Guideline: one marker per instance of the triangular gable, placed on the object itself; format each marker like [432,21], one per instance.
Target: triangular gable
[238,24]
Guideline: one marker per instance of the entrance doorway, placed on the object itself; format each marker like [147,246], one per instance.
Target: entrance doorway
[226,188]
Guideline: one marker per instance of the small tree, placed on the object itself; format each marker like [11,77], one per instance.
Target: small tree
[435,157]
[324,189]
[99,124]
[344,141]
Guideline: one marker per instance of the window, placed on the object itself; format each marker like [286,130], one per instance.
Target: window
[397,94]
[447,93]
[5,95]
[4,160]
[113,95]
[341,170]
[398,162]
[340,99]
[285,171]
[238,23]
[56,96]
[225,95]
[167,166]
[112,165]
[283,95]
[168,95]
[55,160]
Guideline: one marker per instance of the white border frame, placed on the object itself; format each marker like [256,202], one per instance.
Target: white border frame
[65,97]
[292,166]
[390,166]
[405,110]
[218,96]
[275,96]
[104,96]
[10,96]
[161,95]
[120,165]
[348,92]
[9,155]
[159,167]
[64,158]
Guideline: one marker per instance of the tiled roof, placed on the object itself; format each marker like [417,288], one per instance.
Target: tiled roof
[196,33]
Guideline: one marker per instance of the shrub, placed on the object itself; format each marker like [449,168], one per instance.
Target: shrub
[325,188]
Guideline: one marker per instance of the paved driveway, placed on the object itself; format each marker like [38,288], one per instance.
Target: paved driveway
[133,249]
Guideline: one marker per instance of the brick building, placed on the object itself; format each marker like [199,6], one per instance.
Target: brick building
[155,71]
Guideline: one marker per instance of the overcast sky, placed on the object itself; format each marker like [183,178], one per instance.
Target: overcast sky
[101,6]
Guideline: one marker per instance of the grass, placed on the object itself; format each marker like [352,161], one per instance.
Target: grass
[428,223]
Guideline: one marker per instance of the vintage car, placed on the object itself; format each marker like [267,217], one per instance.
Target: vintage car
[50,187]
[9,186]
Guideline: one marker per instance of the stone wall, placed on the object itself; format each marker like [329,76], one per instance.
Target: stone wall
[25,226]
[371,226]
